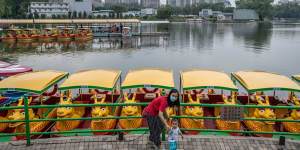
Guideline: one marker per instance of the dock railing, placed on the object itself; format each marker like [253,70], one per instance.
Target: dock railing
[28,133]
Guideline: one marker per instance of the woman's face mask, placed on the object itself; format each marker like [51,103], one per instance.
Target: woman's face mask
[173,98]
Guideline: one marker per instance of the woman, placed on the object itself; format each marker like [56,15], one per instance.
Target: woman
[154,114]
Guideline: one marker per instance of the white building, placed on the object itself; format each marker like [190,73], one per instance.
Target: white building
[206,13]
[80,6]
[49,8]
[60,7]
[148,12]
[131,13]
[102,13]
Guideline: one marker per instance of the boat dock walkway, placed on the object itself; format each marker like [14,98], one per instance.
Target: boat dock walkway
[139,141]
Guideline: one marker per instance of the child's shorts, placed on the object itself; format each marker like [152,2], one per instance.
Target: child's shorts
[173,145]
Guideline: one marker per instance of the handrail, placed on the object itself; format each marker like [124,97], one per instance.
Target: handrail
[145,104]
[28,133]
[137,117]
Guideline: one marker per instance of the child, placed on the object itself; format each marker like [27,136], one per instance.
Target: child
[173,134]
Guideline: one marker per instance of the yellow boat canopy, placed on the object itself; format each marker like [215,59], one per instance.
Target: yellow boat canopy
[200,79]
[95,79]
[66,21]
[156,78]
[34,82]
[254,81]
[296,77]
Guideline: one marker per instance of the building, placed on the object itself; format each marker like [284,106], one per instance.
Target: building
[80,6]
[103,13]
[245,14]
[150,3]
[49,8]
[182,3]
[228,16]
[113,2]
[206,13]
[98,3]
[132,13]
[149,12]
[60,7]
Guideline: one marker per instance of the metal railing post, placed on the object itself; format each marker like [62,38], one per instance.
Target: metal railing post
[27,123]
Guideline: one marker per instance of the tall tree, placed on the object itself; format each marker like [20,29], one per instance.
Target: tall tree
[262,7]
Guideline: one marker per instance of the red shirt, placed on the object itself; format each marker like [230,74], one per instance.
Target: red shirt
[158,104]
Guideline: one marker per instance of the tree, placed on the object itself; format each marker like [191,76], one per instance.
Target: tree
[164,12]
[262,7]
[84,14]
[36,15]
[69,14]
[58,16]
[64,16]
[53,16]
[288,10]
[80,14]
[90,16]
[43,16]
[74,15]
[118,9]
[30,16]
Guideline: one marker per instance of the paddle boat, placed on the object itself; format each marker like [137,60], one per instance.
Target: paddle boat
[96,86]
[83,34]
[36,85]
[126,32]
[10,35]
[66,34]
[257,84]
[200,86]
[142,86]
[49,34]
[296,78]
[7,69]
[28,35]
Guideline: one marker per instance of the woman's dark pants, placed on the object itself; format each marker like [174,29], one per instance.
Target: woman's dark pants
[156,127]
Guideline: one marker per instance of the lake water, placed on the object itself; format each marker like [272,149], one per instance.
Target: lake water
[224,47]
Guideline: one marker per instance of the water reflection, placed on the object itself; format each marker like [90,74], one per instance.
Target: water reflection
[225,47]
[104,43]
[255,35]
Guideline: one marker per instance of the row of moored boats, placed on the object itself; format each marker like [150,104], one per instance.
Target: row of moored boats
[100,86]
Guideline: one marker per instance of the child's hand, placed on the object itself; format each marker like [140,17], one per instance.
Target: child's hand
[182,136]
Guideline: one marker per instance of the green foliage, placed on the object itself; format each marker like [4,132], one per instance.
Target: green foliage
[262,7]
[80,15]
[69,14]
[288,10]
[43,16]
[53,16]
[84,14]
[74,14]
[164,12]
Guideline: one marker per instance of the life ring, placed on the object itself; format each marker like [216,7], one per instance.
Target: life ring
[150,91]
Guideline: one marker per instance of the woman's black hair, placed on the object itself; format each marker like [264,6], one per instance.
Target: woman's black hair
[170,103]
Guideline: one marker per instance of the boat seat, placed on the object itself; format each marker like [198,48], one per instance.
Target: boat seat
[280,113]
[204,97]
[250,110]
[150,96]
[217,110]
[41,99]
[99,96]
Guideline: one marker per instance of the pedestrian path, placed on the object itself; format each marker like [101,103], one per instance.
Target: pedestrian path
[136,141]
